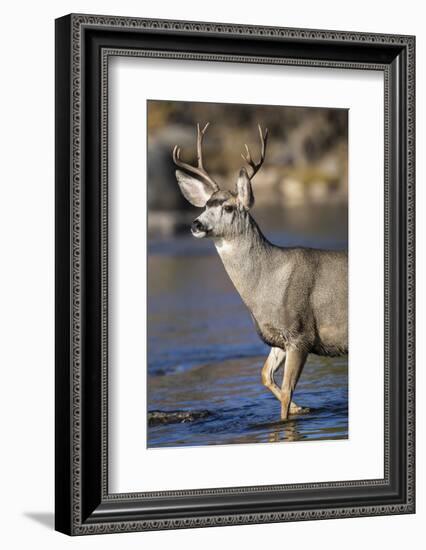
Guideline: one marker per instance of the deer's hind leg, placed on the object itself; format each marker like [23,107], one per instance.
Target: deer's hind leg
[275,361]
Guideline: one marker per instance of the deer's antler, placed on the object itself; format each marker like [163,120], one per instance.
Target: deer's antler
[255,166]
[199,170]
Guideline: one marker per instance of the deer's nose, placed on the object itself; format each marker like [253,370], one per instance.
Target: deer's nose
[197,226]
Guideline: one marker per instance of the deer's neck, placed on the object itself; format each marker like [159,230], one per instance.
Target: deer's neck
[245,258]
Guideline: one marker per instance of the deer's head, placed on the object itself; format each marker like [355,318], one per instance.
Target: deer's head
[226,212]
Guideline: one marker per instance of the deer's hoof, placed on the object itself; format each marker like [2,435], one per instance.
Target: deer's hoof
[297,409]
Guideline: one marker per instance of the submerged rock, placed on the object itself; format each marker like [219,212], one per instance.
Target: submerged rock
[174,417]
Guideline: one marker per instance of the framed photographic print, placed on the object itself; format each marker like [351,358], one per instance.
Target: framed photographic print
[234,274]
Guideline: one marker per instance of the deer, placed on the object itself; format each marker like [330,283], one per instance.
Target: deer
[297,296]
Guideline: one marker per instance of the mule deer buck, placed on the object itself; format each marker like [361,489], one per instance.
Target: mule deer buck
[297,296]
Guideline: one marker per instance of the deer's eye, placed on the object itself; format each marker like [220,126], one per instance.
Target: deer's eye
[228,208]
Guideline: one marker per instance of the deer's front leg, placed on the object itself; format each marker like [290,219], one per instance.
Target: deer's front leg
[275,360]
[273,363]
[295,361]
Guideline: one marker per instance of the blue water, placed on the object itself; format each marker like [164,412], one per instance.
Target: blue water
[204,354]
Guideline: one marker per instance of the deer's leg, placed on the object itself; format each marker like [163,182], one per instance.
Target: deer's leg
[295,361]
[294,408]
[275,360]
[273,363]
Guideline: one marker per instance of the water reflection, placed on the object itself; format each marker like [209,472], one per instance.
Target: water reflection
[285,431]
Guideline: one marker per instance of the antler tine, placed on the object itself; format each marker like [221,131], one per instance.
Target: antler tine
[199,169]
[255,166]
[200,137]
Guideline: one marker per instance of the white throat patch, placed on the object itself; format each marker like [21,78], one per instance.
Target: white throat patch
[223,246]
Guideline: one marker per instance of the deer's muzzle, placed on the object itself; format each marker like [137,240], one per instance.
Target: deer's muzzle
[198,229]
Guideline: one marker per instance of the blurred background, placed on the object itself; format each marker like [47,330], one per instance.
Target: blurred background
[204,356]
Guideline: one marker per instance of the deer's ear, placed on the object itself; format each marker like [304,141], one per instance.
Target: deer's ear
[244,190]
[196,191]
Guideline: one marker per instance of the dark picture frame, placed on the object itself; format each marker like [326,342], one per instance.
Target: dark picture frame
[83,45]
